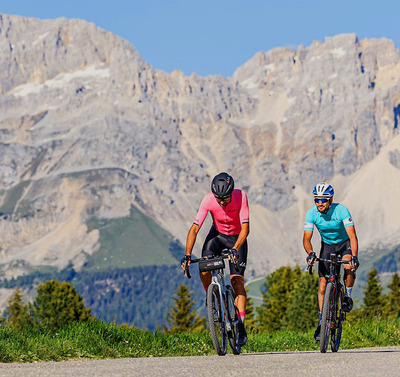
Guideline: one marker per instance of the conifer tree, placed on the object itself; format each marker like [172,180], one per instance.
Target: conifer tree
[278,287]
[303,303]
[373,297]
[250,320]
[58,304]
[182,317]
[392,307]
[17,313]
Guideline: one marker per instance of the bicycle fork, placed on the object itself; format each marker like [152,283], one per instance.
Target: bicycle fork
[222,295]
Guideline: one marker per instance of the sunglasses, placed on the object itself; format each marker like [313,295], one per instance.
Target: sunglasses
[222,198]
[322,200]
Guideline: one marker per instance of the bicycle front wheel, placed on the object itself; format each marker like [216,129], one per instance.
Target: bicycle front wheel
[327,316]
[339,318]
[215,319]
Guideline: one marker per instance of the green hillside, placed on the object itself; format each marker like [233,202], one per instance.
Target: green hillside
[131,241]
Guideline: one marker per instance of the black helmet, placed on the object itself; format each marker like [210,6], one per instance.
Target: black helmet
[222,185]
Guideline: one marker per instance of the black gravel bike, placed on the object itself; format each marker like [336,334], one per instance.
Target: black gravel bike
[332,307]
[223,315]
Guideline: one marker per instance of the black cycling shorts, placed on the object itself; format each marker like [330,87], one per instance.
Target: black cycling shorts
[216,242]
[342,248]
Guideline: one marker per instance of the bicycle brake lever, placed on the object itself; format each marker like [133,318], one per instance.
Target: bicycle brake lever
[232,258]
[186,271]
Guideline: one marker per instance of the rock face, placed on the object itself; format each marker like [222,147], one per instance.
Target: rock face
[88,128]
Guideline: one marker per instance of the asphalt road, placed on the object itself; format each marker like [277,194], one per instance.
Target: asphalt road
[363,362]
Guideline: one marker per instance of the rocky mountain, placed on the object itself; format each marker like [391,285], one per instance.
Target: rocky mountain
[89,129]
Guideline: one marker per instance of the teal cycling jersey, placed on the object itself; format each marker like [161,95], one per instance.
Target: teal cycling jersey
[331,225]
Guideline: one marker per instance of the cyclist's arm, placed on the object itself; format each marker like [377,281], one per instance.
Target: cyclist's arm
[244,232]
[191,238]
[307,241]
[351,232]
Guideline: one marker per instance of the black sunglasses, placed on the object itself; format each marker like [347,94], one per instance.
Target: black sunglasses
[222,198]
[322,200]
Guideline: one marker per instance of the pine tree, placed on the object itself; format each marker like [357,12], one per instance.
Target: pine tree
[58,304]
[250,320]
[392,307]
[302,312]
[373,297]
[17,313]
[181,317]
[278,287]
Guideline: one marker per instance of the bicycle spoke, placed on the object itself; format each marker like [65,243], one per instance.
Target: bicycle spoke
[233,315]
[326,323]
[215,317]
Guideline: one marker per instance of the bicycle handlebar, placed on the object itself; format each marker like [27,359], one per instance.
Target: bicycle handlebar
[338,261]
[226,253]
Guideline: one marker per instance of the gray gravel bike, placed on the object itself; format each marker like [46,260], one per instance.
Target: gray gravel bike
[223,315]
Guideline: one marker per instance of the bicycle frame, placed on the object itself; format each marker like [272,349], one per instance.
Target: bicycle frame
[331,325]
[228,312]
[218,278]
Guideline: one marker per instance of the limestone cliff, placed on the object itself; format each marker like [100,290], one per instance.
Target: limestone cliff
[88,128]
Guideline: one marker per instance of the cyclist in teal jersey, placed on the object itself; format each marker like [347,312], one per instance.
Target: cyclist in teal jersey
[338,235]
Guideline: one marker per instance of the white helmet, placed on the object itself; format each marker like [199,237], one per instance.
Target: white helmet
[323,189]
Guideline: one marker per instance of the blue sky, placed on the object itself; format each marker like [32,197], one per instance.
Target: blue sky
[217,36]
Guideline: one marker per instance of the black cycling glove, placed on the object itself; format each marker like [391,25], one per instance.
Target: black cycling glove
[186,258]
[310,257]
[235,253]
[355,261]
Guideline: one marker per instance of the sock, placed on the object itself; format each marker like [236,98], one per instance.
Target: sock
[320,317]
[205,288]
[241,317]
[348,292]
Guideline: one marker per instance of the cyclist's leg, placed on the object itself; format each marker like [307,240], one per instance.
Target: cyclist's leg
[349,276]
[212,246]
[237,281]
[321,291]
[237,277]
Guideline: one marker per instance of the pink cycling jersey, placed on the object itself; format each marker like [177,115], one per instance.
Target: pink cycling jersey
[227,220]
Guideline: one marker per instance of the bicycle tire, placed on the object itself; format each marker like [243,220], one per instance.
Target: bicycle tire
[339,318]
[233,316]
[215,321]
[326,322]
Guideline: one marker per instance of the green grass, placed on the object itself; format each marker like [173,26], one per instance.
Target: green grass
[97,339]
[130,241]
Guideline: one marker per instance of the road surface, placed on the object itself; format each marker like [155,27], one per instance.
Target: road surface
[362,362]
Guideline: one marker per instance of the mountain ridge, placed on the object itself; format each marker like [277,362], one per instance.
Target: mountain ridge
[87,127]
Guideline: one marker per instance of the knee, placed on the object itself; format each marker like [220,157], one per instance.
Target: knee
[238,285]
[349,273]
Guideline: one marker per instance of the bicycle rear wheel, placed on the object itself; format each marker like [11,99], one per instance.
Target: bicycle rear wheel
[339,318]
[215,319]
[327,316]
[233,316]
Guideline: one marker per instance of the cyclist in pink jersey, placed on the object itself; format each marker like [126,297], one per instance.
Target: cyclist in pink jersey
[230,212]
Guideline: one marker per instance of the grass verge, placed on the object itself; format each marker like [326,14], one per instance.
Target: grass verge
[100,340]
